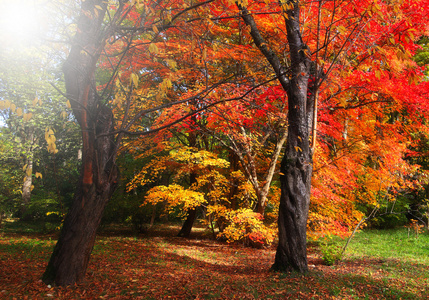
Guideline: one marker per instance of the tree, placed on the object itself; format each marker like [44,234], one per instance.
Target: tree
[29,105]
[93,110]
[10,179]
[338,34]
[296,166]
[71,254]
[253,130]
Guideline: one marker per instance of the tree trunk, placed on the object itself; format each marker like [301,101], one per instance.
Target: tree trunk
[99,174]
[293,213]
[26,186]
[234,165]
[263,196]
[188,224]
[296,167]
[28,179]
[186,229]
[71,254]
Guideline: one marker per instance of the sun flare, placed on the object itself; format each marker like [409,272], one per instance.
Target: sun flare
[21,21]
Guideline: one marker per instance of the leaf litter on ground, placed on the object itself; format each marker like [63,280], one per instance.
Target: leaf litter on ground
[167,267]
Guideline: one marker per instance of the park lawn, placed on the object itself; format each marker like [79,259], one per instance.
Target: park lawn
[377,265]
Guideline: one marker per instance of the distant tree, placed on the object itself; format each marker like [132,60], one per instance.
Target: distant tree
[30,106]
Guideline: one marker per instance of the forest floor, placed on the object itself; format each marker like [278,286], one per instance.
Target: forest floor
[161,266]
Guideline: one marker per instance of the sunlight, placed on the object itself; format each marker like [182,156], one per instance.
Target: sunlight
[21,22]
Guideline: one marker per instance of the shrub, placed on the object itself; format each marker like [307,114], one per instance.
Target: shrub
[247,227]
[331,252]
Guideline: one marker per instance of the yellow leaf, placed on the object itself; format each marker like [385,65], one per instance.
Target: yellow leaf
[38,175]
[29,171]
[50,137]
[51,148]
[12,107]
[24,167]
[135,79]
[168,83]
[172,63]
[341,29]
[155,29]
[19,111]
[34,103]
[27,117]
[377,74]
[153,48]
[68,104]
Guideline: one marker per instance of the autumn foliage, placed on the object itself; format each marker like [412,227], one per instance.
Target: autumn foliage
[227,113]
[198,99]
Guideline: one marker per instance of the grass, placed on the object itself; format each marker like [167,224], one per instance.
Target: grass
[378,265]
[391,244]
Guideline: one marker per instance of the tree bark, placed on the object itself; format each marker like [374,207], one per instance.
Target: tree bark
[28,182]
[234,165]
[262,203]
[28,178]
[296,167]
[186,229]
[99,174]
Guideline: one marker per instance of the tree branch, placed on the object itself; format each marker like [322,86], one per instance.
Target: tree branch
[262,45]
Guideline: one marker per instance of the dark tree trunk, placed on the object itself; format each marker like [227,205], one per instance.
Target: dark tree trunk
[296,167]
[188,224]
[234,165]
[71,254]
[186,229]
[99,174]
[293,212]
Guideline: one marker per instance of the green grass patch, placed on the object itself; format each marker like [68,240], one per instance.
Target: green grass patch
[25,247]
[390,244]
